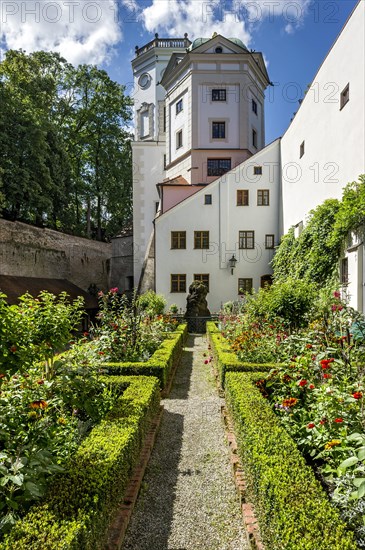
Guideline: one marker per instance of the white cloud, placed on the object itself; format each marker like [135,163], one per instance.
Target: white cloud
[82,31]
[196,17]
[239,19]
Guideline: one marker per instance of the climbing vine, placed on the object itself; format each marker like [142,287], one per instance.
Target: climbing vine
[314,255]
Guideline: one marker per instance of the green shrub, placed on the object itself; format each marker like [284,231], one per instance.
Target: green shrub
[80,505]
[293,511]
[152,303]
[160,364]
[226,359]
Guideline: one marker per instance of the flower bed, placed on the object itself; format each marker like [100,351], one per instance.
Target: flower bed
[226,359]
[292,508]
[80,504]
[162,362]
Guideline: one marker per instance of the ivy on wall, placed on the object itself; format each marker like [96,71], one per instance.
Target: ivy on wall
[314,255]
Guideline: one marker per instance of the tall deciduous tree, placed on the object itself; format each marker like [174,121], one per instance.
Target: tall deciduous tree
[65,157]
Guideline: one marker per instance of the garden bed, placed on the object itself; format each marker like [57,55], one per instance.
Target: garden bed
[226,359]
[161,364]
[292,508]
[80,504]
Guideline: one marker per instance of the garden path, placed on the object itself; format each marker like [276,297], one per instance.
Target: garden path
[188,499]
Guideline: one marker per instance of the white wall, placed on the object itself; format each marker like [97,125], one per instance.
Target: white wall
[334,138]
[223,219]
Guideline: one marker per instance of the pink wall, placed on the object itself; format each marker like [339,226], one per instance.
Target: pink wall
[173,194]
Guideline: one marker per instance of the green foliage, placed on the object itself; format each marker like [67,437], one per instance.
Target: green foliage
[313,256]
[292,301]
[292,508]
[226,358]
[36,329]
[351,214]
[160,365]
[80,504]
[152,303]
[65,155]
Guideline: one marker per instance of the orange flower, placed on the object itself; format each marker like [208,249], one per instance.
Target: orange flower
[290,402]
[40,404]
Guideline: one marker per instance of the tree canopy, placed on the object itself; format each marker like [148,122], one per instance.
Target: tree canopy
[65,153]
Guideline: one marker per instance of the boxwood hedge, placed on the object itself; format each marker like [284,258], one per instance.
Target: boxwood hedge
[292,508]
[80,504]
[226,359]
[160,364]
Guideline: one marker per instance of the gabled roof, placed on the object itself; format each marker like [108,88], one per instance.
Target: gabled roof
[179,61]
[201,45]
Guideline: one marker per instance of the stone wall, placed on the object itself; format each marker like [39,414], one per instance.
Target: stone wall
[28,251]
[121,273]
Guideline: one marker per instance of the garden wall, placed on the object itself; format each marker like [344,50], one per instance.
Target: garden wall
[28,251]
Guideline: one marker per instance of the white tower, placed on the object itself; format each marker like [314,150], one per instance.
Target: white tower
[149,147]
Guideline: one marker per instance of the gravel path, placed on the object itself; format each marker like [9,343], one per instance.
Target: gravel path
[188,499]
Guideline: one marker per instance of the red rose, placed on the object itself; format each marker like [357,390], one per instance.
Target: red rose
[311,387]
[338,420]
[206,362]
[327,375]
[309,346]
[311,425]
[357,395]
[303,383]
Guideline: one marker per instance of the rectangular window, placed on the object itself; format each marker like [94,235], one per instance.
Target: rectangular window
[254,106]
[207,199]
[164,119]
[217,167]
[219,95]
[242,197]
[257,170]
[344,272]
[345,96]
[201,239]
[157,204]
[179,139]
[179,106]
[269,241]
[302,149]
[164,162]
[263,197]
[178,239]
[203,278]
[218,130]
[246,239]
[244,285]
[254,138]
[178,283]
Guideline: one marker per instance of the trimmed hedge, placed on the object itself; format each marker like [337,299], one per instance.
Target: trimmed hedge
[160,364]
[226,358]
[292,508]
[80,504]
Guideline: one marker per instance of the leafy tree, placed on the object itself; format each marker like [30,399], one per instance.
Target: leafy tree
[65,156]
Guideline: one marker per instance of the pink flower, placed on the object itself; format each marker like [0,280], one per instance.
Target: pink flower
[114,290]
[337,294]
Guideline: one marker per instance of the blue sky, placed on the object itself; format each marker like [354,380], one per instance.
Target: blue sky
[294,36]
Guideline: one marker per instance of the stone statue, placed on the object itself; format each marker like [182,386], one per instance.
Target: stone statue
[196,303]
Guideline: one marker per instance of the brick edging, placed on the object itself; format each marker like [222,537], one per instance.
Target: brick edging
[118,527]
[247,509]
